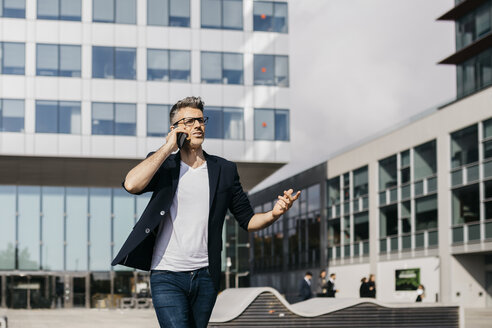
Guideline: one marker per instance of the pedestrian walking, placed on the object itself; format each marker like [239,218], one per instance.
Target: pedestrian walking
[372,286]
[332,290]
[305,292]
[420,293]
[322,289]
[364,288]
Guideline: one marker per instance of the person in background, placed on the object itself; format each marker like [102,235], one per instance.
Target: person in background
[420,293]
[322,284]
[364,288]
[305,289]
[372,286]
[331,286]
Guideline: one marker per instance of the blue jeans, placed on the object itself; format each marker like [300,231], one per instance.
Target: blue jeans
[183,299]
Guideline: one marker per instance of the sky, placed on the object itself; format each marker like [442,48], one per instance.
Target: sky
[359,67]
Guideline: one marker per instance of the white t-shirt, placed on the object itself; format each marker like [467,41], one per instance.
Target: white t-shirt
[181,243]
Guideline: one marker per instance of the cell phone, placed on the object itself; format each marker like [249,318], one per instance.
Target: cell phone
[181,139]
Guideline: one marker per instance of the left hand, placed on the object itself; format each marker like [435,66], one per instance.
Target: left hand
[284,203]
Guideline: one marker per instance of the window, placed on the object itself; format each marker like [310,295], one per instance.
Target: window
[474,74]
[226,68]
[168,12]
[58,117]
[117,63]
[271,124]
[270,16]
[58,60]
[12,58]
[425,160]
[168,65]
[426,213]
[487,135]
[224,123]
[222,14]
[60,9]
[406,221]
[387,172]
[474,25]
[388,221]
[13,8]
[466,204]
[114,11]
[361,226]
[334,191]
[360,182]
[114,119]
[464,146]
[12,115]
[158,120]
[271,70]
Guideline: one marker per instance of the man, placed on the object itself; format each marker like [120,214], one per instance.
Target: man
[364,288]
[331,286]
[322,284]
[305,289]
[179,235]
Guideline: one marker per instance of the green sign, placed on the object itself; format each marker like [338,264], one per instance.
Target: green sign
[407,279]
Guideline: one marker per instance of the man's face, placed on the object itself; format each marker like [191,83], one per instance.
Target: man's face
[334,277]
[196,131]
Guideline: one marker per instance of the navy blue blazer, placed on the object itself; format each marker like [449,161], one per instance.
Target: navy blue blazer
[226,193]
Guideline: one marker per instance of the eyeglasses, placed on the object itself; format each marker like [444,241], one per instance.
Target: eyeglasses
[190,121]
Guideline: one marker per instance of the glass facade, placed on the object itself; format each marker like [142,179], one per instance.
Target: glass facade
[58,60]
[271,70]
[13,8]
[12,58]
[474,25]
[270,16]
[168,12]
[114,11]
[222,14]
[272,124]
[158,120]
[60,9]
[64,228]
[11,115]
[223,68]
[474,74]
[168,65]
[224,123]
[114,63]
[58,117]
[114,119]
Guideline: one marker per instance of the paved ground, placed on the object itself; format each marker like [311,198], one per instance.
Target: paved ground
[80,318]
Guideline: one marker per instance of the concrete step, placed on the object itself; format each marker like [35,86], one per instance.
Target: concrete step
[478,318]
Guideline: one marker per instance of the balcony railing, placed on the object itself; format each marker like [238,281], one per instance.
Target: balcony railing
[472,232]
[354,250]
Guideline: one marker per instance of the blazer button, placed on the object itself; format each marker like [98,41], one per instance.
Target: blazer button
[147,230]
[163,212]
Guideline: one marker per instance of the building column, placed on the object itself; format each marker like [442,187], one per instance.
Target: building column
[373,218]
[4,292]
[444,216]
[323,225]
[88,291]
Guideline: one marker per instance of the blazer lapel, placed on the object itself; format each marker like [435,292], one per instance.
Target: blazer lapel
[213,176]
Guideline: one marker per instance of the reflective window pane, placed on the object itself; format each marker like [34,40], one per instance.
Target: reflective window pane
[282,71]
[126,11]
[313,200]
[426,213]
[232,14]
[361,226]
[264,124]
[233,123]
[53,228]
[487,129]
[466,204]
[69,117]
[158,12]
[464,146]
[100,229]
[125,63]
[103,11]
[387,173]
[157,120]
[70,61]
[157,64]
[232,68]
[280,21]
[262,16]
[214,126]
[70,9]
[12,113]
[47,59]
[102,118]
[211,66]
[211,13]
[264,66]
[125,119]
[46,116]
[29,227]
[14,8]
[12,56]
[282,130]
[7,222]
[179,13]
[103,62]
[48,9]
[180,63]
[76,226]
[425,160]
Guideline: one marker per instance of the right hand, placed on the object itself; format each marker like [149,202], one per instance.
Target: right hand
[172,138]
